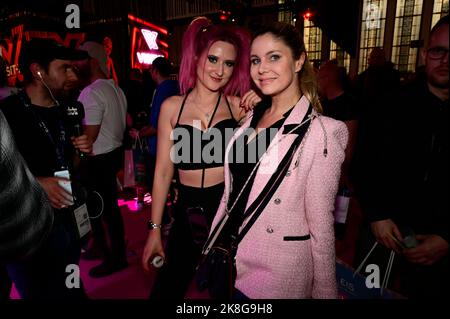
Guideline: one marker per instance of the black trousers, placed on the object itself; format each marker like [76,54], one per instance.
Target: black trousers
[182,251]
[44,275]
[102,171]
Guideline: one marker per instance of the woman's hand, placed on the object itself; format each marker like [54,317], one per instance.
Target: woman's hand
[249,100]
[152,248]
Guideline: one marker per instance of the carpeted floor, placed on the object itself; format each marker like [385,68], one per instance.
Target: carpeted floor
[132,282]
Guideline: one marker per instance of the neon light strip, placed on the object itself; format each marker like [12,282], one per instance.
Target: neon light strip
[164,44]
[151,25]
[133,43]
[147,58]
[150,38]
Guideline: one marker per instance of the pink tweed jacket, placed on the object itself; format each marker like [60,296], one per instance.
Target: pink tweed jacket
[268,265]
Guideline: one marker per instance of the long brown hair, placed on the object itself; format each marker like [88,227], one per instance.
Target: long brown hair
[291,37]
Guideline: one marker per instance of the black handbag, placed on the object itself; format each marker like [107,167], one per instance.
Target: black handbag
[198,224]
[215,274]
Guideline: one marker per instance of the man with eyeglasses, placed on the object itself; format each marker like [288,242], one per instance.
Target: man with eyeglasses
[408,203]
[436,60]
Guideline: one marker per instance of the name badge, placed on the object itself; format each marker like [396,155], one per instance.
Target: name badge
[82,220]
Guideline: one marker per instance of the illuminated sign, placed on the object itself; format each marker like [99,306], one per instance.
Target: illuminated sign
[146,42]
[10,47]
[150,38]
[147,58]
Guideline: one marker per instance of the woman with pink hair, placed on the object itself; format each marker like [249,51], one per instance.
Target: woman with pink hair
[192,136]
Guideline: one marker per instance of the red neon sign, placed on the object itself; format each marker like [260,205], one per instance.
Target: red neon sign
[150,38]
[145,47]
[146,23]
[147,58]
[146,43]
[11,47]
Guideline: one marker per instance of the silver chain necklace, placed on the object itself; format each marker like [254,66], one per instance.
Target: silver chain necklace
[208,114]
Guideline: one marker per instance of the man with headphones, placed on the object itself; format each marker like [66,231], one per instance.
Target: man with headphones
[43,138]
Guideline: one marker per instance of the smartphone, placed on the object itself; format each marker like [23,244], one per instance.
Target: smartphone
[66,185]
[409,238]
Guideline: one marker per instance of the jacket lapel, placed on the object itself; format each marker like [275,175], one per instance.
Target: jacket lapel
[278,148]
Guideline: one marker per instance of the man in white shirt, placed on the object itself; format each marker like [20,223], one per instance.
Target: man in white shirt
[104,123]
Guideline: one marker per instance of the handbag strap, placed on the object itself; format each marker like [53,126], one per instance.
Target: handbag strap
[388,271]
[141,142]
[258,205]
[136,141]
[388,268]
[261,201]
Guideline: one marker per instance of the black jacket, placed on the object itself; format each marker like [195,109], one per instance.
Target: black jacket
[408,179]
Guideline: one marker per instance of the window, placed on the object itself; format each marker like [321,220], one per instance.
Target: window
[407,29]
[284,13]
[372,29]
[286,16]
[440,9]
[340,55]
[312,36]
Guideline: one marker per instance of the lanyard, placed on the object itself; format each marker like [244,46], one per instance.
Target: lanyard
[58,145]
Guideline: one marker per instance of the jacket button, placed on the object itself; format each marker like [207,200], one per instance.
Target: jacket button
[269,229]
[277,201]
[288,173]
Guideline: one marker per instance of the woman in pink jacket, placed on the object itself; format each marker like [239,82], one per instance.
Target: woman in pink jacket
[281,178]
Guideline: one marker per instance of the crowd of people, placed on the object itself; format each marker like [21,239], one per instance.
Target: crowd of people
[259,143]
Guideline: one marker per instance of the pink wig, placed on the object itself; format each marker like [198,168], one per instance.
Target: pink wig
[197,40]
